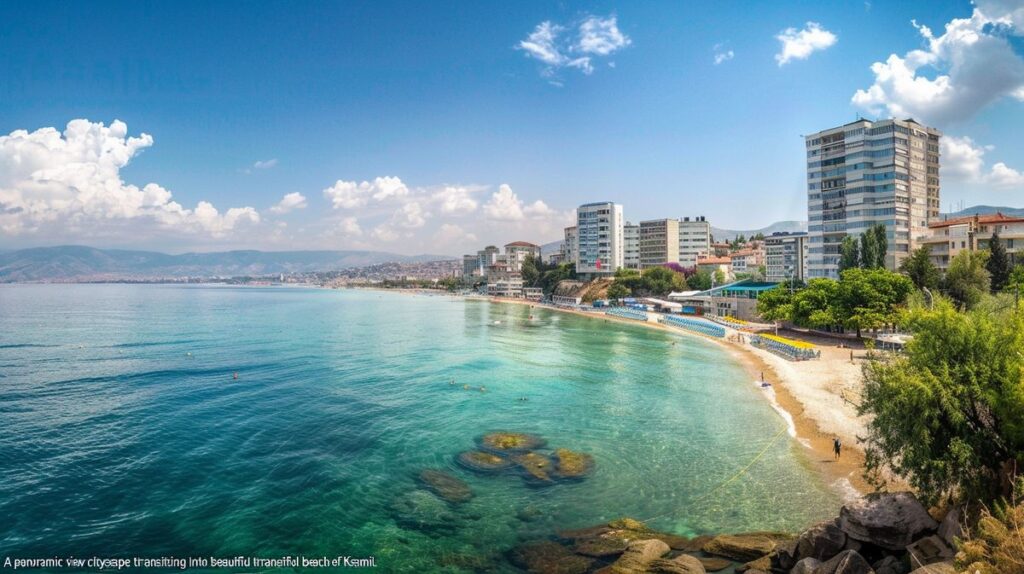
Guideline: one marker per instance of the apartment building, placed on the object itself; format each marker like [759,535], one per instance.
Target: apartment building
[694,240]
[972,233]
[600,239]
[570,245]
[866,173]
[631,246]
[517,252]
[659,242]
[785,257]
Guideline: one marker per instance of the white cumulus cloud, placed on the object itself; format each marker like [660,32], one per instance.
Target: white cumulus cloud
[451,234]
[351,194]
[455,200]
[505,205]
[971,65]
[290,202]
[574,46]
[70,181]
[800,44]
[963,160]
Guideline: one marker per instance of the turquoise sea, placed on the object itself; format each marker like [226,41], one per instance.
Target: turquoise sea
[124,433]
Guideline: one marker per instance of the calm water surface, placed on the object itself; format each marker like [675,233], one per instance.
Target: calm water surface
[123,432]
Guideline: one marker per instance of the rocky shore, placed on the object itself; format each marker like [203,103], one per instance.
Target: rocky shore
[881,533]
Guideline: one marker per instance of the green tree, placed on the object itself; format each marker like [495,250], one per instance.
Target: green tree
[814,306]
[998,264]
[881,246]
[1016,282]
[662,281]
[776,304]
[868,249]
[618,291]
[947,414]
[531,271]
[870,298]
[849,253]
[719,276]
[552,277]
[920,269]
[967,280]
[700,281]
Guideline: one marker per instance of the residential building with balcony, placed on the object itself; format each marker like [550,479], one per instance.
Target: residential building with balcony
[631,247]
[659,242]
[785,257]
[972,233]
[867,173]
[694,240]
[600,239]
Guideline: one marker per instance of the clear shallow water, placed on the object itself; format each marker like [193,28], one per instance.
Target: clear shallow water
[124,433]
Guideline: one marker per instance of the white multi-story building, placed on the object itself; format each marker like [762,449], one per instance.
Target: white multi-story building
[600,239]
[785,257]
[659,242]
[694,240]
[631,247]
[867,173]
[517,252]
[570,245]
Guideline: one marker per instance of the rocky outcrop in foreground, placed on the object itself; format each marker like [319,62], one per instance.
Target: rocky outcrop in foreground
[882,533]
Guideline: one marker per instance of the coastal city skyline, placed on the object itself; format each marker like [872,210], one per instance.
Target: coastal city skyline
[123,166]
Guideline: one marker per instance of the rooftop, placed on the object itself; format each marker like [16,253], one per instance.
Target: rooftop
[521,244]
[987,218]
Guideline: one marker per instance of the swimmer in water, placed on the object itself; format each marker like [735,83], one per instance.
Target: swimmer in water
[234,376]
[483,389]
[465,387]
[451,382]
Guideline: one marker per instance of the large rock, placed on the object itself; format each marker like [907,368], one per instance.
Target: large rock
[938,568]
[741,547]
[890,565]
[600,547]
[928,550]
[785,556]
[713,564]
[682,564]
[822,541]
[510,442]
[846,562]
[446,486]
[950,529]
[885,519]
[546,557]
[638,555]
[806,566]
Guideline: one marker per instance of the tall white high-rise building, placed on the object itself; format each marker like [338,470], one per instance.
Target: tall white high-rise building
[694,240]
[570,245]
[600,238]
[631,247]
[866,173]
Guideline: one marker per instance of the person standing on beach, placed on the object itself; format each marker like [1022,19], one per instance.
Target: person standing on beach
[837,447]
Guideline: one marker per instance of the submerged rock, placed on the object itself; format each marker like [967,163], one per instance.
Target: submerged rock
[638,555]
[599,547]
[511,442]
[713,564]
[891,520]
[529,513]
[446,486]
[482,461]
[571,464]
[421,510]
[537,467]
[546,557]
[682,564]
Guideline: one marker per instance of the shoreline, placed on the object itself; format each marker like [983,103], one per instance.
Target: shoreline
[791,397]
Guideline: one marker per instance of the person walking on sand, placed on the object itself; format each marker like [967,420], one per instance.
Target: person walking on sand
[837,447]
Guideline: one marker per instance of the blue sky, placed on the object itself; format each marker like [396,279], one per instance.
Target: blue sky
[248,102]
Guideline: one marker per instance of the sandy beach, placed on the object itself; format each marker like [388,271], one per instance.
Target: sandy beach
[817,397]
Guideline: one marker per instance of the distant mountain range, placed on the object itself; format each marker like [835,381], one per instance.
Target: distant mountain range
[72,262]
[777,227]
[986,209]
